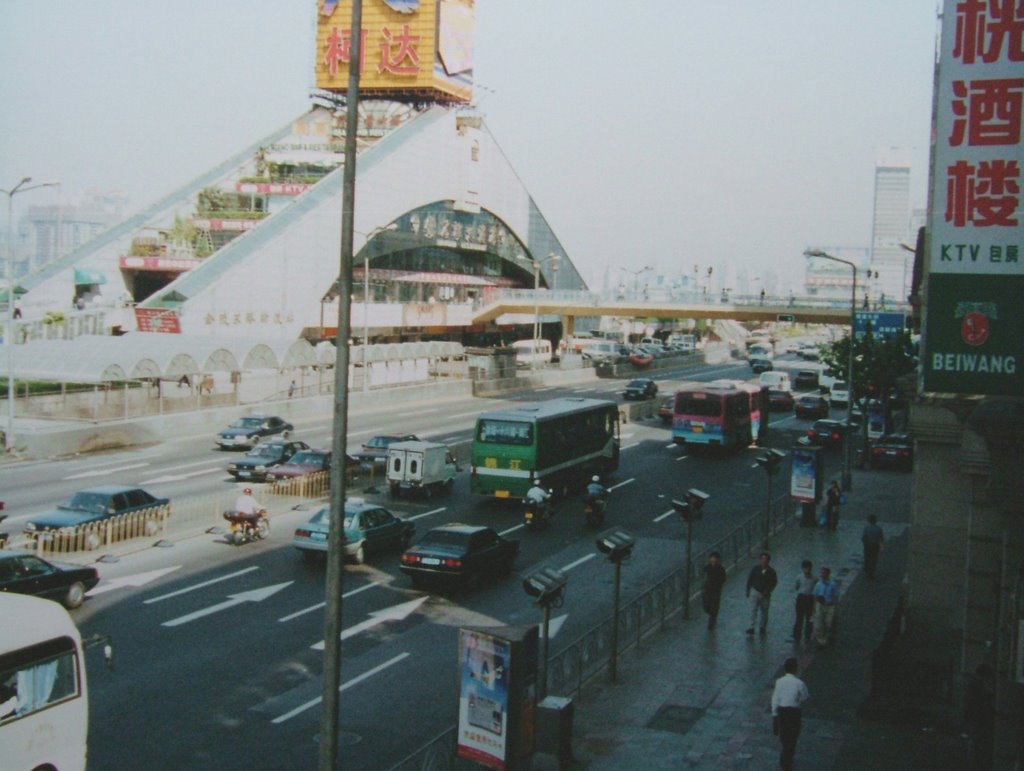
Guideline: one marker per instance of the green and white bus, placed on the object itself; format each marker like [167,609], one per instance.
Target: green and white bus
[562,442]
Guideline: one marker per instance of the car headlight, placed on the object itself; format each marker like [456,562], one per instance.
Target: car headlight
[232,467]
[261,469]
[30,527]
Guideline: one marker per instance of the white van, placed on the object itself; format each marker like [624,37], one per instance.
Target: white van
[775,380]
[420,466]
[685,342]
[529,352]
[600,349]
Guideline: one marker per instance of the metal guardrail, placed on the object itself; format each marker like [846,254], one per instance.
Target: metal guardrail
[586,657]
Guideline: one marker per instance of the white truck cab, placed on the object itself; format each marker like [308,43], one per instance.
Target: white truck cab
[775,380]
[426,467]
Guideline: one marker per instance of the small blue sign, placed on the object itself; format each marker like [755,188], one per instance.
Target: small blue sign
[882,324]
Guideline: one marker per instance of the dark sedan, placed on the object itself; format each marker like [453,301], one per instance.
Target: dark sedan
[640,388]
[893,451]
[780,400]
[826,433]
[759,365]
[256,464]
[806,380]
[301,464]
[459,554]
[249,431]
[96,504]
[22,572]
[811,407]
[376,449]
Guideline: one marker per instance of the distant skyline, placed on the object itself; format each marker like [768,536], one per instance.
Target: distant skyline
[666,133]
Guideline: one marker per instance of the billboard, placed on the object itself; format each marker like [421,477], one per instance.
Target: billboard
[883,324]
[411,49]
[974,328]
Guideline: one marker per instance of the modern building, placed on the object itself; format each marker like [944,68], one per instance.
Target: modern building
[53,230]
[891,264]
[831,280]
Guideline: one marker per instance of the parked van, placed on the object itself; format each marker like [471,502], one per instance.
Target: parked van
[776,380]
[426,467]
[600,349]
[685,342]
[529,352]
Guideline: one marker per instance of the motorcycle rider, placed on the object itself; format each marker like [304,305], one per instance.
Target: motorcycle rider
[247,506]
[539,497]
[596,490]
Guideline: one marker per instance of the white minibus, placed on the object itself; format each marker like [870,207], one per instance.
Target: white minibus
[529,352]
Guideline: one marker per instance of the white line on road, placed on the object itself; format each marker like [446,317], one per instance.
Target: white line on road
[415,412]
[181,477]
[354,681]
[254,595]
[668,513]
[629,446]
[104,471]
[320,605]
[199,586]
[621,484]
[465,414]
[580,561]
[511,530]
[547,388]
[425,514]
[367,431]
[670,446]
[682,457]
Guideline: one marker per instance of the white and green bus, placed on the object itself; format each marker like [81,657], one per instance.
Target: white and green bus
[561,442]
[44,706]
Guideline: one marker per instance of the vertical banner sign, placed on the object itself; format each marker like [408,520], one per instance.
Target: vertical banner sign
[805,473]
[974,324]
[483,697]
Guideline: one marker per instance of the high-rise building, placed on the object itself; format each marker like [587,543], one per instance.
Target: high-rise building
[891,265]
[53,230]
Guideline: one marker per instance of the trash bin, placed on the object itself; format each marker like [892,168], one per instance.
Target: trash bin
[554,728]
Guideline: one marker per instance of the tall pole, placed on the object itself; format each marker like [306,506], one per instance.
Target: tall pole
[366,320]
[544,650]
[689,568]
[328,754]
[536,312]
[615,623]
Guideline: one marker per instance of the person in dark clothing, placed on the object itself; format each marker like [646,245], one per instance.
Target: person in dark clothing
[873,539]
[714,580]
[804,587]
[832,497]
[760,584]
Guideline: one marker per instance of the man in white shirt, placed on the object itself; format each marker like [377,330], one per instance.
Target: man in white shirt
[790,692]
[247,505]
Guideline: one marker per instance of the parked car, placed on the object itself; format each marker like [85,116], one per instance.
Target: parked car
[811,406]
[247,432]
[457,554]
[666,409]
[22,572]
[893,451]
[780,400]
[369,529]
[96,504]
[301,464]
[827,433]
[759,365]
[255,464]
[376,448]
[809,352]
[806,379]
[640,388]
[840,393]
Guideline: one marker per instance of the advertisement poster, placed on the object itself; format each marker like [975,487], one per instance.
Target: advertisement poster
[803,482]
[483,697]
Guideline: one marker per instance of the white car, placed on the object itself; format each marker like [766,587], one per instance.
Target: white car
[840,392]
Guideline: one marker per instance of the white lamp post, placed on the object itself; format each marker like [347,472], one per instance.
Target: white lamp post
[21,187]
[553,258]
[847,478]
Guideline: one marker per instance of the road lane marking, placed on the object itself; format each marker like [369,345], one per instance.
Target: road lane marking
[137,580]
[511,529]
[320,605]
[377,617]
[622,484]
[181,477]
[255,595]
[465,414]
[668,513]
[104,471]
[199,586]
[415,412]
[345,686]
[425,514]
[580,561]
[682,457]
[629,446]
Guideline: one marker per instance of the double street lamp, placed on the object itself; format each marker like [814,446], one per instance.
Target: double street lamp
[847,476]
[21,187]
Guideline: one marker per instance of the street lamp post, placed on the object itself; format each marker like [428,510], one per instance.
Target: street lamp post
[21,187]
[553,258]
[636,279]
[847,477]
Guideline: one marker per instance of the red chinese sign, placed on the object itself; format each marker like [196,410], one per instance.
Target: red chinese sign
[158,320]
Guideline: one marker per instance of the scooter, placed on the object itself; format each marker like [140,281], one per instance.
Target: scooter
[536,515]
[247,527]
[593,509]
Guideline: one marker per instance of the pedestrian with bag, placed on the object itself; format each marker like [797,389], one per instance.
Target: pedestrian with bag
[761,582]
[804,587]
[789,694]
[714,580]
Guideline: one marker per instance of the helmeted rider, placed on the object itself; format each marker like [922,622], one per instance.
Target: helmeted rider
[538,495]
[248,506]
[595,489]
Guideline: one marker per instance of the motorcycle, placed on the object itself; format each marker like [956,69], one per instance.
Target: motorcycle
[536,514]
[593,509]
[247,527]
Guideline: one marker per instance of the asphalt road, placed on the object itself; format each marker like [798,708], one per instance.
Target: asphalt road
[215,645]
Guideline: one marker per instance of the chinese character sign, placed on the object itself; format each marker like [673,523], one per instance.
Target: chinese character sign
[974,328]
[406,47]
[483,697]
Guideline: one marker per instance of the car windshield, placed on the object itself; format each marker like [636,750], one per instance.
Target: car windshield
[96,502]
[838,386]
[445,538]
[264,451]
[323,517]
[637,384]
[307,459]
[247,423]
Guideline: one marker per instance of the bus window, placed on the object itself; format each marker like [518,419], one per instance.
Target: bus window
[505,432]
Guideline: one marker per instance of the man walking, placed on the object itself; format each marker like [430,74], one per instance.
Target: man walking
[790,692]
[873,539]
[760,584]
[832,498]
[804,587]
[826,593]
[714,580]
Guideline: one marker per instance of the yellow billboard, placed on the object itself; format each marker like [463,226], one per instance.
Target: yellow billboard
[420,49]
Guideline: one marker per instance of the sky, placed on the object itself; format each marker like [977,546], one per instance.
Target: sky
[671,133]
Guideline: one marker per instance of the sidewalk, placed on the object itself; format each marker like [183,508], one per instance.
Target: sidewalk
[690,698]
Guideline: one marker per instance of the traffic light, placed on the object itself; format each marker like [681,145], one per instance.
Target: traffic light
[770,461]
[547,585]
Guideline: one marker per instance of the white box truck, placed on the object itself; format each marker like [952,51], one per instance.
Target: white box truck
[426,467]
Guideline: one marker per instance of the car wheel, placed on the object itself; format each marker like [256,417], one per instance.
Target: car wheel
[255,441]
[360,555]
[92,541]
[75,595]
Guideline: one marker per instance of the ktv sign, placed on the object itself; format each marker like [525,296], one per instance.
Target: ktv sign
[974,318]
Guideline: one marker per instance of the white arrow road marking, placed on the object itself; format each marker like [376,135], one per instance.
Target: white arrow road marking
[580,561]
[668,513]
[319,605]
[345,686]
[670,446]
[621,484]
[182,477]
[198,586]
[104,471]
[427,514]
[256,595]
[394,613]
[555,625]
[139,579]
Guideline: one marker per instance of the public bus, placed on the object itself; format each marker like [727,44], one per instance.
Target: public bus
[561,442]
[44,705]
[758,394]
[717,414]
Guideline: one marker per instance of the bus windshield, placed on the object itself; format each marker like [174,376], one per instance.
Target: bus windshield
[491,431]
[699,404]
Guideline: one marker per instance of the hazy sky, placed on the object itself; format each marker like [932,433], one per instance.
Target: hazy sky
[673,133]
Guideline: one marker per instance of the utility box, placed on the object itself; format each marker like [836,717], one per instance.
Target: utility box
[554,728]
[425,467]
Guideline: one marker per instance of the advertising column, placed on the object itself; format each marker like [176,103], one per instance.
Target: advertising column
[974,324]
